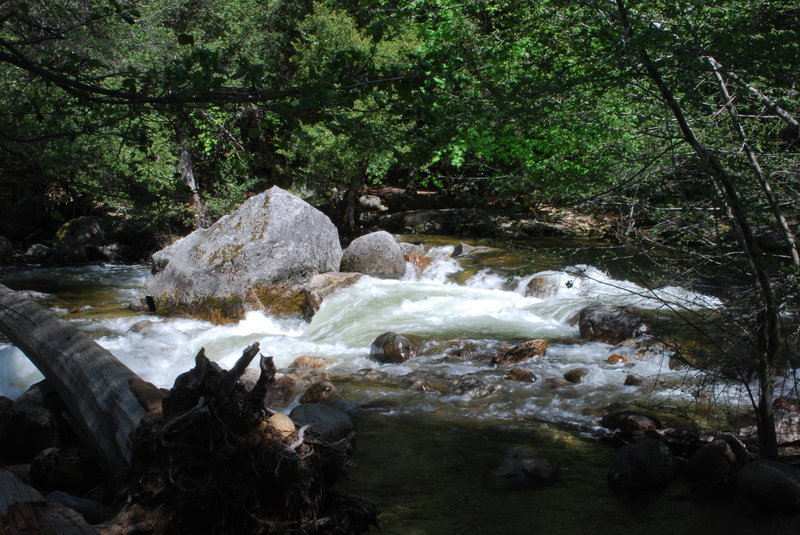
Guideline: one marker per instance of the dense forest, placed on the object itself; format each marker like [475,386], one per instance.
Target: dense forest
[679,118]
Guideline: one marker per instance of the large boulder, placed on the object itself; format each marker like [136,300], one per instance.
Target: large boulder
[611,324]
[646,465]
[376,254]
[771,485]
[255,258]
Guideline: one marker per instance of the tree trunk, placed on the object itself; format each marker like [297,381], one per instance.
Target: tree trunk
[770,341]
[92,383]
[788,235]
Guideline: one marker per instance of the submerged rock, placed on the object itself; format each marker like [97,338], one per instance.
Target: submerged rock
[645,465]
[510,355]
[576,375]
[611,324]
[522,375]
[524,467]
[393,348]
[376,254]
[274,239]
[327,423]
[472,386]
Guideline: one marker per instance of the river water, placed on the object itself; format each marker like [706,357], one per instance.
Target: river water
[427,455]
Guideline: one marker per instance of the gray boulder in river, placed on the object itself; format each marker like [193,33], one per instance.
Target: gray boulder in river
[255,258]
[376,254]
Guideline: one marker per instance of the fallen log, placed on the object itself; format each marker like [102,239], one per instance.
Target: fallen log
[92,383]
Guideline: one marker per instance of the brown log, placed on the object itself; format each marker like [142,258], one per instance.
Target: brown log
[91,382]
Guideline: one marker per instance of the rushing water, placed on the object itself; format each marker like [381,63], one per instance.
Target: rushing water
[427,454]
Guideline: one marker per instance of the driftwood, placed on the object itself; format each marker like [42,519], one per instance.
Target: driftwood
[91,382]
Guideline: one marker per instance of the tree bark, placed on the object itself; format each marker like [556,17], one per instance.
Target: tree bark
[92,383]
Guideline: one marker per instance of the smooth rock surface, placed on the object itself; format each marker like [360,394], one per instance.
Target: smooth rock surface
[377,255]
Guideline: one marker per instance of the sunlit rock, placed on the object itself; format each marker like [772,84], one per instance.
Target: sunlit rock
[512,354]
[391,347]
[321,286]
[616,358]
[611,324]
[522,375]
[310,362]
[376,254]
[255,258]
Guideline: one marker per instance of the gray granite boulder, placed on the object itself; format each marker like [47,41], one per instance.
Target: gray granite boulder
[258,257]
[611,324]
[377,255]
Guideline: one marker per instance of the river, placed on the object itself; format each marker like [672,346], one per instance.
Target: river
[427,455]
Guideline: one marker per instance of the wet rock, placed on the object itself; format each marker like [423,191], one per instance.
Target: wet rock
[272,239]
[472,386]
[310,362]
[616,358]
[421,263]
[422,385]
[376,254]
[556,382]
[376,376]
[460,350]
[6,250]
[31,425]
[513,354]
[524,467]
[408,248]
[38,252]
[771,485]
[630,423]
[323,285]
[610,324]
[140,326]
[633,380]
[464,250]
[320,392]
[69,469]
[576,376]
[393,348]
[522,375]
[327,423]
[646,465]
[281,393]
[542,286]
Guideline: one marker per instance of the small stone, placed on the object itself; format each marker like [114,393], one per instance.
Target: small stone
[422,386]
[518,373]
[576,376]
[633,380]
[523,467]
[556,382]
[282,424]
[616,358]
[391,347]
[472,387]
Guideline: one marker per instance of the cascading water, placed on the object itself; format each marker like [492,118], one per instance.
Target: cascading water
[426,454]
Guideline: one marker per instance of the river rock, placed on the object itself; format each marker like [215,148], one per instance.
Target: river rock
[540,229]
[376,254]
[309,362]
[645,465]
[524,467]
[630,422]
[320,286]
[513,354]
[472,386]
[616,358]
[327,423]
[6,250]
[611,324]
[576,375]
[79,240]
[633,380]
[320,392]
[771,485]
[274,240]
[712,465]
[30,425]
[38,252]
[69,469]
[393,348]
[543,285]
[517,373]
